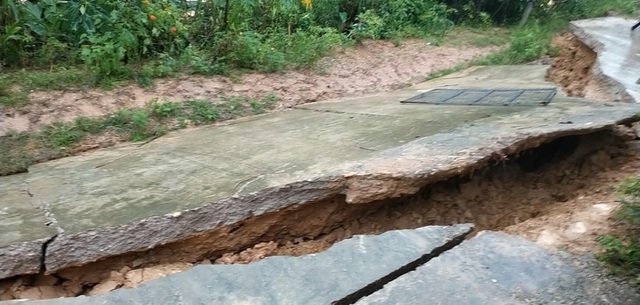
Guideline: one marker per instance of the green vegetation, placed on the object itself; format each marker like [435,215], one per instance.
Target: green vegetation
[534,39]
[15,86]
[19,150]
[116,40]
[106,42]
[622,253]
[464,36]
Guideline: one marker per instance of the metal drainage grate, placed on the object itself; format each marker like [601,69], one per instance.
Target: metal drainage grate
[490,97]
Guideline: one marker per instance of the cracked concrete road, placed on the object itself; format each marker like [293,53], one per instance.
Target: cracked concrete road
[73,211]
[428,265]
[132,198]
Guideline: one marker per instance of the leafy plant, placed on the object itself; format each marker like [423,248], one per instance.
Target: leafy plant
[621,256]
[203,111]
[368,25]
[162,110]
[10,43]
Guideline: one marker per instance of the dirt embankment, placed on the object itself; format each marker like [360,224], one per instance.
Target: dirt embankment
[572,69]
[373,66]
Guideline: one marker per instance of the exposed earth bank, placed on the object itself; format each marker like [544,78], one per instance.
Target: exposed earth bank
[373,66]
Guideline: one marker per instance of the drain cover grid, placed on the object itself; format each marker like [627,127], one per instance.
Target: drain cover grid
[489,97]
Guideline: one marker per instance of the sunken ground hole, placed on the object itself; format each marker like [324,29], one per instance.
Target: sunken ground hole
[506,192]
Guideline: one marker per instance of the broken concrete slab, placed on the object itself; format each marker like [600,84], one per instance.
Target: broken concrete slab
[618,49]
[405,169]
[343,272]
[363,182]
[135,198]
[495,268]
[24,229]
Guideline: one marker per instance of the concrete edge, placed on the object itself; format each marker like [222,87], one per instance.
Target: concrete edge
[159,230]
[612,87]
[22,258]
[451,242]
[356,183]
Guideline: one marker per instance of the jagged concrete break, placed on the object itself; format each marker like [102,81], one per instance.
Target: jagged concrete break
[495,268]
[131,199]
[393,173]
[342,272]
[24,229]
[618,48]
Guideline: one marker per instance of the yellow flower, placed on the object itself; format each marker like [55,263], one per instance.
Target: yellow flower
[307,3]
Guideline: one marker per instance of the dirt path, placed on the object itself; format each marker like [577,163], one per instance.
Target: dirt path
[373,66]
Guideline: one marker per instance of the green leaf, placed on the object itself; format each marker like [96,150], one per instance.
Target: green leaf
[33,9]
[83,9]
[14,9]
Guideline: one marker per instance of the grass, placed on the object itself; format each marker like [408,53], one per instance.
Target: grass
[527,44]
[621,254]
[445,72]
[465,36]
[16,85]
[11,97]
[262,53]
[20,150]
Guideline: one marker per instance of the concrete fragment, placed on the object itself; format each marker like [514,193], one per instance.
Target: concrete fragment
[23,229]
[105,286]
[361,262]
[495,268]
[21,258]
[390,173]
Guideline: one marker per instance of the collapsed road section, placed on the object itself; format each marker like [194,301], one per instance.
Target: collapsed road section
[300,181]
[288,179]
[495,171]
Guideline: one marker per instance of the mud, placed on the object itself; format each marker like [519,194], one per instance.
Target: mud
[373,66]
[547,194]
[572,69]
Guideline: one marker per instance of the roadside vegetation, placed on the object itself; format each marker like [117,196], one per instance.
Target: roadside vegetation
[621,252]
[19,150]
[108,42]
[52,44]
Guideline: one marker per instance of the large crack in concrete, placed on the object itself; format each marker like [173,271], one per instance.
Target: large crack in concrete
[51,222]
[411,266]
[312,227]
[387,174]
[327,206]
[43,262]
[369,196]
[370,183]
